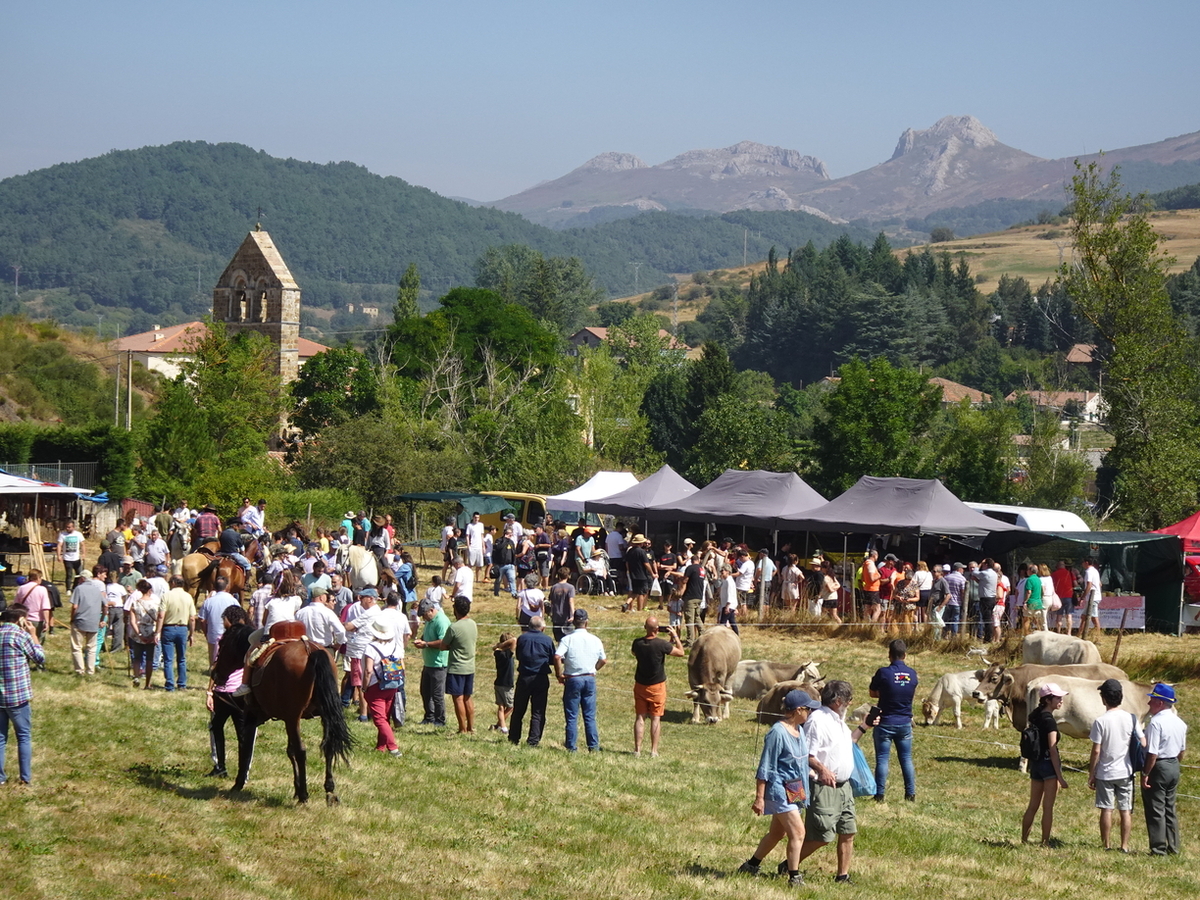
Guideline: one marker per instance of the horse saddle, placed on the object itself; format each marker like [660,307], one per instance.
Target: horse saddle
[281,633]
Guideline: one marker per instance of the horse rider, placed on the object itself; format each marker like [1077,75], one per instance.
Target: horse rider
[231,545]
[207,527]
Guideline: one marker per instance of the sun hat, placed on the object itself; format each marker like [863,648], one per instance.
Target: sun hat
[349,515]
[798,699]
[1163,692]
[597,552]
[127,560]
[382,630]
[638,539]
[1051,689]
[815,561]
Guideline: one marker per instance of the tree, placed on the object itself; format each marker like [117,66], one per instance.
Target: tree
[1117,282]
[333,388]
[558,289]
[407,295]
[875,422]
[977,457]
[941,235]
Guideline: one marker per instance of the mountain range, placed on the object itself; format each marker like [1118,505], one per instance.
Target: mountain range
[958,162]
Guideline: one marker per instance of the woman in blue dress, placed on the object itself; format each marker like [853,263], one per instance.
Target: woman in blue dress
[781,790]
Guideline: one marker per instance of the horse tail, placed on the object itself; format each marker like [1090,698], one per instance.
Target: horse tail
[336,740]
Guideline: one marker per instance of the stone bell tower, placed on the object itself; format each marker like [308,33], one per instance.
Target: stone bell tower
[256,292]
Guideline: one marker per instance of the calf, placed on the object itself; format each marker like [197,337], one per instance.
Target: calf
[991,714]
[951,687]
[711,664]
[770,707]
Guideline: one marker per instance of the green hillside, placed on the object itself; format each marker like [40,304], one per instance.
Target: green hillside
[139,236]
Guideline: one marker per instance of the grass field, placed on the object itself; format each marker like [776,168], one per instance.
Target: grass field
[120,806]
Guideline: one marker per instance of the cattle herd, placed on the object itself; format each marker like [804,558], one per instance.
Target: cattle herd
[718,674]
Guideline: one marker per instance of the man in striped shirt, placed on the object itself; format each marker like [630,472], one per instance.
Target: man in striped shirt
[18,648]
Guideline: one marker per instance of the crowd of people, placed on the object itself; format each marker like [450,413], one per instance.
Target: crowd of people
[129,602]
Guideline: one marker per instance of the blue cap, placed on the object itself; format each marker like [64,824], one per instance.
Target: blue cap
[798,699]
[1163,692]
[368,592]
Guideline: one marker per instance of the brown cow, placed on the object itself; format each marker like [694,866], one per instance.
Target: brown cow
[711,663]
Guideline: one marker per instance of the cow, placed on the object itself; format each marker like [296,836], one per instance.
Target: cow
[951,687]
[711,664]
[754,677]
[1010,685]
[1082,706]
[770,707]
[1049,648]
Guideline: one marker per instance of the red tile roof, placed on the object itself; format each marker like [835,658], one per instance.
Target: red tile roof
[953,392]
[179,339]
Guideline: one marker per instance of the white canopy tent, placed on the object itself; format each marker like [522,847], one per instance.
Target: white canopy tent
[21,496]
[15,484]
[600,485]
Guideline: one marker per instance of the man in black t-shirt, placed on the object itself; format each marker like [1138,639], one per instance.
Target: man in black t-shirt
[641,572]
[650,682]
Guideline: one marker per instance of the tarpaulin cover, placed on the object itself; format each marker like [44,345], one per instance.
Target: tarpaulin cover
[755,498]
[602,484]
[663,487]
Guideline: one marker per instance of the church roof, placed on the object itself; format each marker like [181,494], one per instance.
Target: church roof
[260,244]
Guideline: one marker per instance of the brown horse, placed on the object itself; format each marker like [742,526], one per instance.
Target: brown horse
[200,569]
[298,681]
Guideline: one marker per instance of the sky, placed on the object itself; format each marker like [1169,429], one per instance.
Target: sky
[485,99]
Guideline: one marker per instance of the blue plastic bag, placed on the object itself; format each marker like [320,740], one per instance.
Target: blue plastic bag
[862,779]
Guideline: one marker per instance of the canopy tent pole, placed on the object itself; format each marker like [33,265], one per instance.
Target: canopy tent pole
[845,559]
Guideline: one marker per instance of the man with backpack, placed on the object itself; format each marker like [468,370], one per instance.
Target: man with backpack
[1110,772]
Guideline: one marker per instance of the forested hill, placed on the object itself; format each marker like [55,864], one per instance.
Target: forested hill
[141,235]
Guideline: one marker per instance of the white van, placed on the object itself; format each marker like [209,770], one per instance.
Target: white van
[1031,517]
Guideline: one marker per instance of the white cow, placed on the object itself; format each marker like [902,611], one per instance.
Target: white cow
[1049,648]
[1082,706]
[991,714]
[951,687]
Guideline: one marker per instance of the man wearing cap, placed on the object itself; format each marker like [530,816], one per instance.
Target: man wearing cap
[694,585]
[894,686]
[1166,741]
[534,653]
[459,642]
[650,682]
[320,622]
[359,617]
[956,590]
[433,671]
[1110,774]
[504,559]
[87,608]
[580,655]
[640,569]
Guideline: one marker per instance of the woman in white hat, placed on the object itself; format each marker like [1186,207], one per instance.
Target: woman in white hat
[380,659]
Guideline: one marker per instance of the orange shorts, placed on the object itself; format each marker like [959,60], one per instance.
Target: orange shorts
[650,699]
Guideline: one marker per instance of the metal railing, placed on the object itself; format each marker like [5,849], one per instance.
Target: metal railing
[74,474]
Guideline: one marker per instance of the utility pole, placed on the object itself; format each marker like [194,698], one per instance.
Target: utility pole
[636,266]
[745,244]
[16,280]
[129,393]
[99,322]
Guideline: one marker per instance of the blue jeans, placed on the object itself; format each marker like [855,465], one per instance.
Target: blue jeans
[507,574]
[21,718]
[885,735]
[174,648]
[950,615]
[578,692]
[241,561]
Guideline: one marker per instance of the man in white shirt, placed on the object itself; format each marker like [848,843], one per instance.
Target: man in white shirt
[1109,773]
[743,576]
[1166,741]
[158,582]
[831,758]
[364,611]
[1091,597]
[321,622]
[464,582]
[209,616]
[475,531]
[579,656]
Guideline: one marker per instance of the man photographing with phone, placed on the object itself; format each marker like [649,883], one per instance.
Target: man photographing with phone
[650,682]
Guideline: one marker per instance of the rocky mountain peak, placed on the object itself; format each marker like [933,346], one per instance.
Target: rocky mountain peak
[747,158]
[948,133]
[613,162]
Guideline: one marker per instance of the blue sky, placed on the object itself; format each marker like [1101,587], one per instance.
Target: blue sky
[484,99]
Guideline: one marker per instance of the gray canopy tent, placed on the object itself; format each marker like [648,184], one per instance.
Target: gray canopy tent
[663,487]
[756,498]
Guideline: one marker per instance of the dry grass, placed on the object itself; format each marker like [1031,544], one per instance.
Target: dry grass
[120,807]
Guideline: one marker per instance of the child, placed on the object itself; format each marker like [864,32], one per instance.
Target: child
[506,680]
[435,591]
[675,607]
